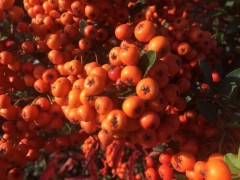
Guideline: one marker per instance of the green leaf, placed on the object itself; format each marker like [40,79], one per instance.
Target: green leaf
[146,61]
[239,155]
[207,109]
[82,24]
[5,30]
[206,72]
[234,98]
[214,13]
[229,3]
[180,176]
[233,25]
[166,24]
[228,89]
[3,37]
[235,93]
[234,73]
[233,76]
[232,162]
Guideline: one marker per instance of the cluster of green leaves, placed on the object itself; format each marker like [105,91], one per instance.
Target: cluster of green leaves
[224,23]
[223,99]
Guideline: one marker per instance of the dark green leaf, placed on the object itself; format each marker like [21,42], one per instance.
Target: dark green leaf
[146,61]
[235,96]
[232,162]
[82,24]
[3,38]
[206,72]
[232,26]
[180,176]
[5,32]
[207,109]
[236,93]
[214,13]
[228,89]
[233,76]
[234,73]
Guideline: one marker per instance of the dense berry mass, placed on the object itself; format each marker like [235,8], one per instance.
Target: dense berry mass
[112,88]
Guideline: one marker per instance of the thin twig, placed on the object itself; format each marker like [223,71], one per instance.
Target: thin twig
[96,57]
[221,142]
[69,128]
[50,99]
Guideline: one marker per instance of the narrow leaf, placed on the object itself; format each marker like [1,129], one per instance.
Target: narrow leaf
[214,13]
[207,109]
[146,61]
[206,72]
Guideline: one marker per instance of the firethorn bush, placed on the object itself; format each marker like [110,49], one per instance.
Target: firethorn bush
[119,89]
